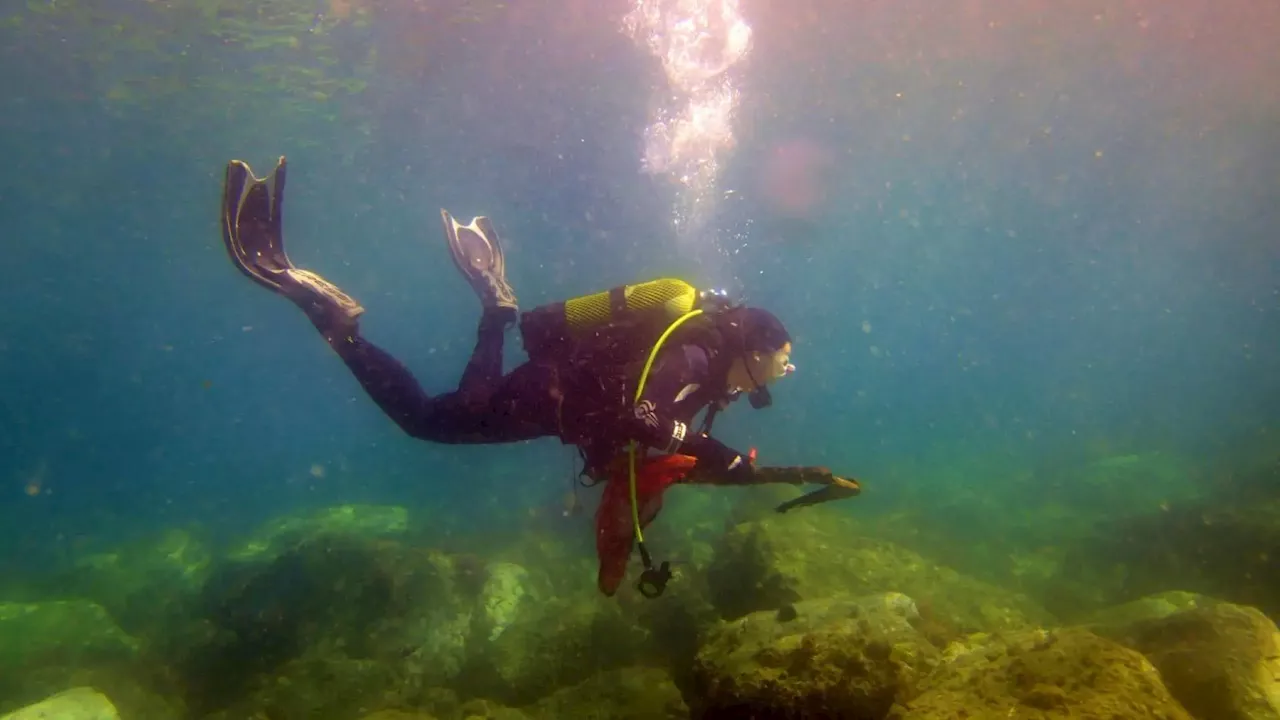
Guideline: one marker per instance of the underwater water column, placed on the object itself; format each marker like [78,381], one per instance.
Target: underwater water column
[698,42]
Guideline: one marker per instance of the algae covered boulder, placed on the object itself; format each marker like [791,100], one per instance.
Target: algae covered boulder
[1062,674]
[488,710]
[638,693]
[550,641]
[1117,618]
[336,626]
[143,584]
[427,632]
[1222,661]
[257,616]
[47,647]
[68,634]
[136,689]
[770,563]
[1223,544]
[398,715]
[81,703]
[353,521]
[319,684]
[1135,481]
[838,658]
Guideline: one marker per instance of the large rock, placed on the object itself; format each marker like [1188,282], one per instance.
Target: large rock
[767,564]
[1225,544]
[71,633]
[82,703]
[380,623]
[841,658]
[398,715]
[1110,621]
[48,646]
[330,590]
[479,709]
[1062,674]
[144,584]
[351,521]
[338,626]
[1221,661]
[435,614]
[638,693]
[321,684]
[1123,483]
[545,642]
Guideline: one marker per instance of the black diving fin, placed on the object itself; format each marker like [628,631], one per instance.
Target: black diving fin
[253,233]
[477,252]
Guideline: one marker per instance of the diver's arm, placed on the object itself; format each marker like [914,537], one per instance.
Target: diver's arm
[678,373]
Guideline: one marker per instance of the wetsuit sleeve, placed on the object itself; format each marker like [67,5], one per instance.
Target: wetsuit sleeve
[658,423]
[677,374]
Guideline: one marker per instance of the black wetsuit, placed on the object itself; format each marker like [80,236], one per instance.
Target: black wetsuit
[577,403]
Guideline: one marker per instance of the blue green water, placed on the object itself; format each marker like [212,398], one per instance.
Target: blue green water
[1028,254]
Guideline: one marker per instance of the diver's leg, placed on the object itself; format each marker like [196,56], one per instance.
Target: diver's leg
[484,369]
[252,231]
[507,408]
[390,385]
[470,414]
[252,224]
[487,407]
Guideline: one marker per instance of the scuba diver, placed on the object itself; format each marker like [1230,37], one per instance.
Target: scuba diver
[627,367]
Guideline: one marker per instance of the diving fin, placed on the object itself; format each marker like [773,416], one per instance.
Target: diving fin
[839,489]
[252,230]
[477,252]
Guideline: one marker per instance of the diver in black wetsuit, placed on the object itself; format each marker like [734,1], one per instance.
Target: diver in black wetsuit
[704,365]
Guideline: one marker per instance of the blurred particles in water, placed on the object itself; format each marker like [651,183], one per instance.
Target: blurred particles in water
[698,43]
[1026,250]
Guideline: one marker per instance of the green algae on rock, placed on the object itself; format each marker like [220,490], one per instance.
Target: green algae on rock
[321,684]
[142,584]
[68,633]
[1221,543]
[290,627]
[481,709]
[634,693]
[367,521]
[1222,661]
[1138,480]
[47,647]
[834,658]
[138,689]
[1037,675]
[551,643]
[1108,621]
[329,590]
[506,589]
[427,633]
[398,715]
[766,564]
[81,703]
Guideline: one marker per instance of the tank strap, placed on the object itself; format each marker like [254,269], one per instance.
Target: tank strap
[710,418]
[617,301]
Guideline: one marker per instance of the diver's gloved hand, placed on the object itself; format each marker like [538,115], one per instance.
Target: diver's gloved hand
[717,460]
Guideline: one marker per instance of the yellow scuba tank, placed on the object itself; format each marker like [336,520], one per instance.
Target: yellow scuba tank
[614,326]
